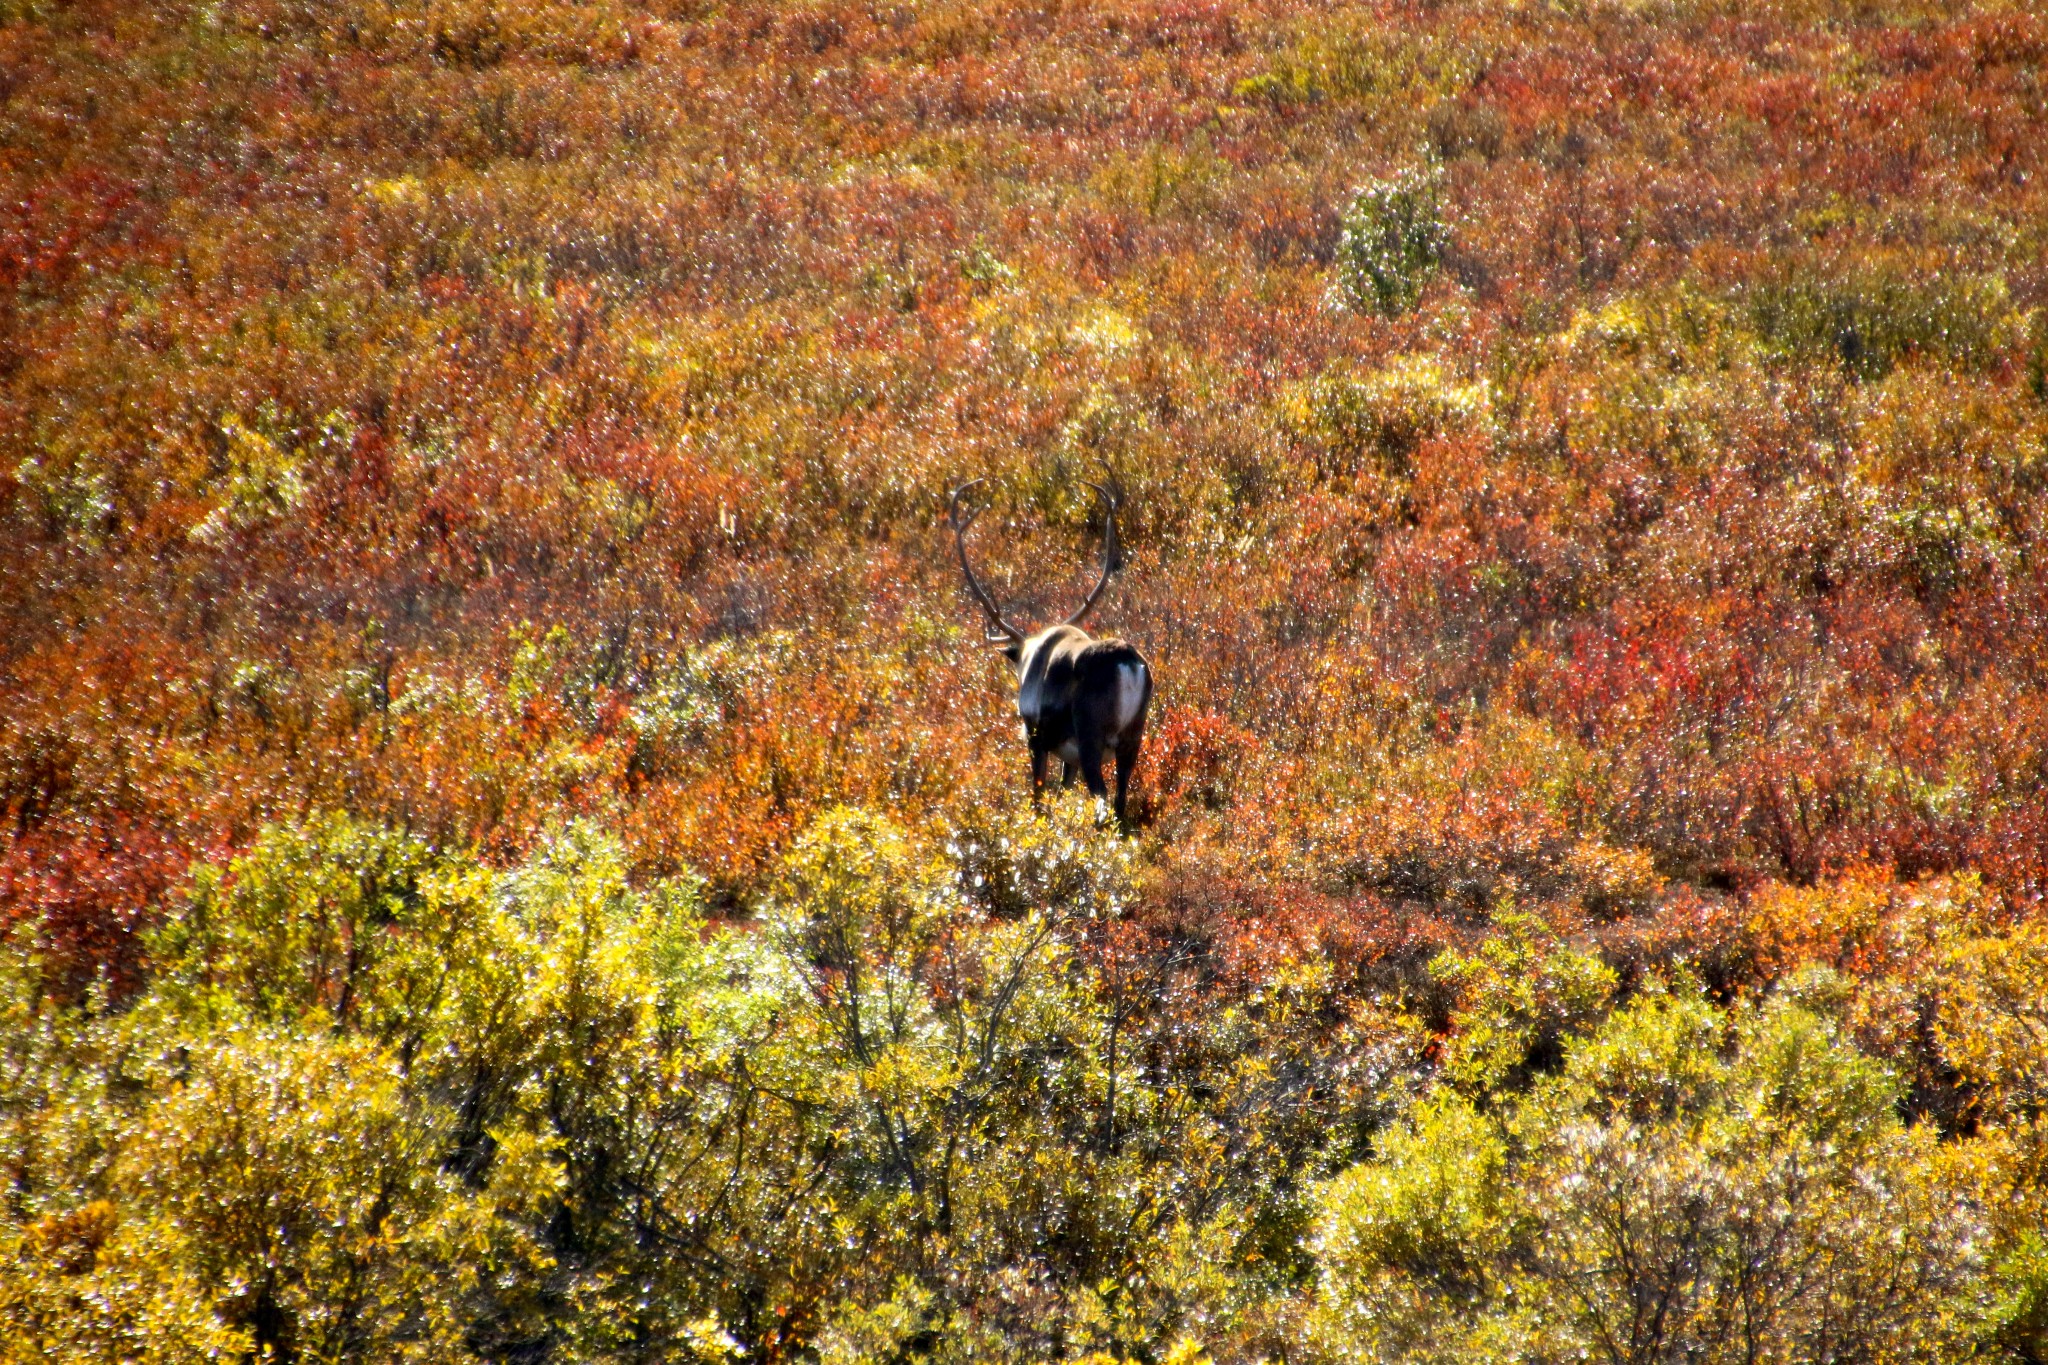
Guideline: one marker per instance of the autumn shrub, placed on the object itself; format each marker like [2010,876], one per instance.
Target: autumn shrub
[1190,756]
[1381,418]
[2037,356]
[1514,1005]
[1987,1022]
[1461,824]
[382,1099]
[1728,1187]
[509,844]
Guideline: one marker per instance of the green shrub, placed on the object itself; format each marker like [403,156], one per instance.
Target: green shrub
[1392,241]
[1872,317]
[1378,418]
[1520,997]
[1692,1185]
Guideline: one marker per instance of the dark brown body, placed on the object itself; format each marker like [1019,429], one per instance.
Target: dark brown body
[1081,698]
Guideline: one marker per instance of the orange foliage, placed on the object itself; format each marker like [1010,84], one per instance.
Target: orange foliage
[467,415]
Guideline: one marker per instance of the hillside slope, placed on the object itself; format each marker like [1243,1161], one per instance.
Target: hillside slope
[472,484]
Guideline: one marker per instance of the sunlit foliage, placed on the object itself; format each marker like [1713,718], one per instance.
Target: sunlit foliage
[1688,1185]
[510,846]
[536,1110]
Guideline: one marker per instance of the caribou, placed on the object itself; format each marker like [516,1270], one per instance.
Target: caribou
[1079,697]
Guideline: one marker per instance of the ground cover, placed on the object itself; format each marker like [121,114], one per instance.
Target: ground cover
[484,690]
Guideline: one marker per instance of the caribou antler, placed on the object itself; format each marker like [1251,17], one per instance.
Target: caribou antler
[1007,631]
[1110,558]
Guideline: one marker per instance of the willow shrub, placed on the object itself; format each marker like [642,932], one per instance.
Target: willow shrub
[1691,1183]
[1871,317]
[384,1102]
[1392,241]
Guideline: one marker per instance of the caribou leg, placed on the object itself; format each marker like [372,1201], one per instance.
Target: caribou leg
[1067,771]
[1091,768]
[1038,761]
[1126,759]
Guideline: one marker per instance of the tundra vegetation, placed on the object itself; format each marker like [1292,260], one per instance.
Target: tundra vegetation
[511,847]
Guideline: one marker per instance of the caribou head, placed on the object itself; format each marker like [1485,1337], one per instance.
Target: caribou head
[1079,697]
